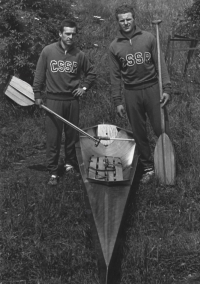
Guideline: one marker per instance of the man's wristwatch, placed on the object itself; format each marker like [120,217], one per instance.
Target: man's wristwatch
[85,89]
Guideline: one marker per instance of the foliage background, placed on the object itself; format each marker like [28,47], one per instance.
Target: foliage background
[45,236]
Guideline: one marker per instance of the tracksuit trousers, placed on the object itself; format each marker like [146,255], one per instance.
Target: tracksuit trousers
[68,109]
[140,103]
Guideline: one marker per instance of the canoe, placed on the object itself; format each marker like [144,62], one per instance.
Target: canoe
[107,170]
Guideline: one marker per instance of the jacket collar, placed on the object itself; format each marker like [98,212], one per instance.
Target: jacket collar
[123,36]
[60,45]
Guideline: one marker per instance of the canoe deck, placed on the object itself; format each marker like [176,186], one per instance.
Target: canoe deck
[107,171]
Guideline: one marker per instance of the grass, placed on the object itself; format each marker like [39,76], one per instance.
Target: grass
[45,235]
[38,228]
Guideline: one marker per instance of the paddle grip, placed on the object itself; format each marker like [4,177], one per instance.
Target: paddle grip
[156,22]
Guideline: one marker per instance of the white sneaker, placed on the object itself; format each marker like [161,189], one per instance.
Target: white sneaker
[53,180]
[147,176]
[68,167]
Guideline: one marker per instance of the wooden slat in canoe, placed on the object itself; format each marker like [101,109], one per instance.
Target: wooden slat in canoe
[118,169]
[111,169]
[101,172]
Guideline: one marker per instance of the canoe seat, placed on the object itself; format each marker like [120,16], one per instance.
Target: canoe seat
[105,168]
[107,130]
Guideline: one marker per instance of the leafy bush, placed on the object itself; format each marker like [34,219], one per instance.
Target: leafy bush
[25,28]
[189,23]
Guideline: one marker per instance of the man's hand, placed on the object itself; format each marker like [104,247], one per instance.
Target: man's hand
[165,99]
[38,102]
[78,92]
[121,111]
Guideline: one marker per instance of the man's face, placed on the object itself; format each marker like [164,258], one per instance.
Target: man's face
[126,22]
[67,36]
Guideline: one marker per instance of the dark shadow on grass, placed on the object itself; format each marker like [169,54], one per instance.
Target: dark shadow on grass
[39,167]
[43,168]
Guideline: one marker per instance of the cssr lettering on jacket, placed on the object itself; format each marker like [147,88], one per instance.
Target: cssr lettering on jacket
[137,58]
[63,66]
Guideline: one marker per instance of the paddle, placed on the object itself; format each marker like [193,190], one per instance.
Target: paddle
[21,92]
[164,156]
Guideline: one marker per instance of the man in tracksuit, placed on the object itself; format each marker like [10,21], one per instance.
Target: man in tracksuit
[134,59]
[60,66]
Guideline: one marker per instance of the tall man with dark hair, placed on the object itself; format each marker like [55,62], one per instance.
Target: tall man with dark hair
[134,59]
[60,66]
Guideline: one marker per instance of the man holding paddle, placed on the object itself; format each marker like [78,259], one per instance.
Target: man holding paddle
[134,59]
[60,67]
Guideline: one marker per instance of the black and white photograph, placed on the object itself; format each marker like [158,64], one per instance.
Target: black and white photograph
[99,141]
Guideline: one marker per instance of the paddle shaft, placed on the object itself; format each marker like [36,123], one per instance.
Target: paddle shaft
[70,124]
[110,138]
[160,75]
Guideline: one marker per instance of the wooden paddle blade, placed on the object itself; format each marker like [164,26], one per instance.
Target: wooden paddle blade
[164,160]
[17,97]
[20,92]
[22,87]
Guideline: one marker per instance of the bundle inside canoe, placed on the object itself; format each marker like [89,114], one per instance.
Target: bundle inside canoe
[107,171]
[105,168]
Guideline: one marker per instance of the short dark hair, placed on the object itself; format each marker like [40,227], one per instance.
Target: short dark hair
[123,9]
[67,23]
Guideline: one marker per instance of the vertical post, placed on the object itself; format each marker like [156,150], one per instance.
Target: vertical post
[167,54]
[193,45]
